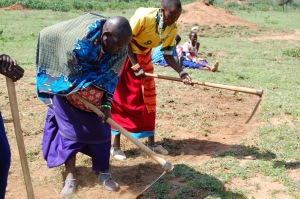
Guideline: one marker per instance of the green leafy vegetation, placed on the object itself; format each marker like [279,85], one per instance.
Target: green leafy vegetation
[83,5]
[295,52]
[261,5]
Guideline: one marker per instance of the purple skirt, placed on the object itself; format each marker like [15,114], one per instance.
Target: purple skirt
[189,64]
[69,130]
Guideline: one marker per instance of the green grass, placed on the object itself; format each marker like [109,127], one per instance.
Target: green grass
[268,64]
[84,5]
[272,19]
[19,30]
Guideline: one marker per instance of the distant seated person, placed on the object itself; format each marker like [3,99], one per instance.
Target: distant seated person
[191,58]
[158,54]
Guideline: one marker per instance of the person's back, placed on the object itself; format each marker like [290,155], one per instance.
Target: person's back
[158,54]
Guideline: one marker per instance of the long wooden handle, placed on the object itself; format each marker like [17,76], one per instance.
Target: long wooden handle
[166,165]
[258,92]
[19,136]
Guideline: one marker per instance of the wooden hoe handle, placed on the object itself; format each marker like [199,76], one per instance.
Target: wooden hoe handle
[258,92]
[19,136]
[166,165]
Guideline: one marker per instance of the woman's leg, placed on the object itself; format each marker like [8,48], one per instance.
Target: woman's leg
[70,182]
[117,141]
[156,148]
[116,151]
[70,168]
[5,158]
[100,158]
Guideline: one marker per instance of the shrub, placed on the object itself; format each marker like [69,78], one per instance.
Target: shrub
[210,2]
[263,7]
[295,52]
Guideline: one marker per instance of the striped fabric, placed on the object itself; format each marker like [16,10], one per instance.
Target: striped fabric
[68,59]
[148,84]
[56,44]
[128,108]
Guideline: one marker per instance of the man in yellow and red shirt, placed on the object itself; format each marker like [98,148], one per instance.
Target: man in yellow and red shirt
[134,105]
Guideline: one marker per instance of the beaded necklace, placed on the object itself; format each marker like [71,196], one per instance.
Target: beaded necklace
[161,28]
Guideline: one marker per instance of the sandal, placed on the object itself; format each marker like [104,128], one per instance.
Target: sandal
[159,149]
[117,153]
[108,182]
[69,188]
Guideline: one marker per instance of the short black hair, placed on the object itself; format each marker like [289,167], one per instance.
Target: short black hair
[192,33]
[171,4]
[120,27]
[178,38]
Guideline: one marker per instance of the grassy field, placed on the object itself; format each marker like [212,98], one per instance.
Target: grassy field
[244,61]
[259,63]
[272,19]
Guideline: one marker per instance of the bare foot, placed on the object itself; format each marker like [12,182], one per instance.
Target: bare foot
[215,67]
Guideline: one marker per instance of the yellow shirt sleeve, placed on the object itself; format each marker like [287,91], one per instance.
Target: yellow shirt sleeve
[137,22]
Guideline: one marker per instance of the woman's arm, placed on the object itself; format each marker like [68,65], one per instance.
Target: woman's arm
[137,69]
[173,63]
[182,74]
[131,56]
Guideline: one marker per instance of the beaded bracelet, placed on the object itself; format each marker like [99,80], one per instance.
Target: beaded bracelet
[106,103]
[105,106]
[182,73]
[135,67]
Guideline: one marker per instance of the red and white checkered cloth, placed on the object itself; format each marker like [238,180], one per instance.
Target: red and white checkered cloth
[91,94]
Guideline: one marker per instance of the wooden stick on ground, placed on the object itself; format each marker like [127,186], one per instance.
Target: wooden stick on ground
[19,136]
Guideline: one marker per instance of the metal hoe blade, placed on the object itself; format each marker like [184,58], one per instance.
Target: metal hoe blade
[254,110]
[149,185]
